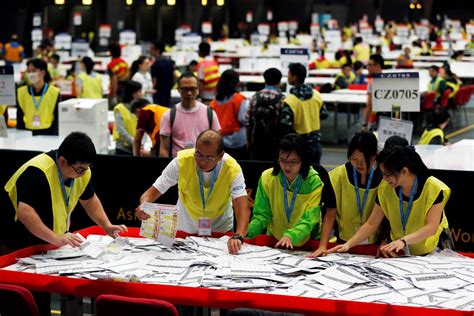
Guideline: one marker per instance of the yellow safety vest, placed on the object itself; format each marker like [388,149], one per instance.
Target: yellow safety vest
[158,111]
[3,108]
[341,75]
[306,112]
[129,119]
[454,87]
[390,204]
[348,217]
[91,86]
[189,191]
[45,110]
[428,136]
[60,211]
[274,191]
[434,86]
[54,72]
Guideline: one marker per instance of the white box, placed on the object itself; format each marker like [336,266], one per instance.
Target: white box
[88,116]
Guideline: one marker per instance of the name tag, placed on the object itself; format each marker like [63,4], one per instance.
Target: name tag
[204,226]
[36,121]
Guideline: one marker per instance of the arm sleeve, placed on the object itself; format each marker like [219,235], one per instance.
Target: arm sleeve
[168,178]
[436,141]
[165,124]
[215,122]
[120,124]
[311,216]
[242,115]
[237,188]
[262,213]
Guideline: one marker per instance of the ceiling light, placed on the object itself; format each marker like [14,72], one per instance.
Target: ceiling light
[220,2]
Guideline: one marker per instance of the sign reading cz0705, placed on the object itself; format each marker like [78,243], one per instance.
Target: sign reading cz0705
[396,88]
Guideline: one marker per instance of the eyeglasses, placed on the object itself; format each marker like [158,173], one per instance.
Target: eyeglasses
[201,157]
[80,170]
[188,89]
[291,163]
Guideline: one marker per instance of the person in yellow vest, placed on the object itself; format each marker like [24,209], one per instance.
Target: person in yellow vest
[208,74]
[148,121]
[301,111]
[413,201]
[13,52]
[361,50]
[88,82]
[125,124]
[344,78]
[210,182]
[53,67]
[37,104]
[434,133]
[453,83]
[4,112]
[45,190]
[287,203]
[437,83]
[355,184]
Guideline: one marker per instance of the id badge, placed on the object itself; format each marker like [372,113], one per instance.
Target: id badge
[36,121]
[204,226]
[363,242]
[188,145]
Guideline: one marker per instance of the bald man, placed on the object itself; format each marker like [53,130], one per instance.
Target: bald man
[210,183]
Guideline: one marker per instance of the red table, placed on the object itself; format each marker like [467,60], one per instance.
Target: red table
[204,297]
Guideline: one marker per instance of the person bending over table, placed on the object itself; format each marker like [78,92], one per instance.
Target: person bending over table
[413,201]
[209,182]
[288,197]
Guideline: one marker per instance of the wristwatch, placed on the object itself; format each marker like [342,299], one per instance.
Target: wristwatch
[239,237]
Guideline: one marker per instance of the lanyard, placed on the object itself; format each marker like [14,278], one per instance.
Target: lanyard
[404,215]
[63,189]
[289,210]
[366,194]
[201,187]
[37,105]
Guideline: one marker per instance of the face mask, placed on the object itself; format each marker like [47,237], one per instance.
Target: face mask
[33,77]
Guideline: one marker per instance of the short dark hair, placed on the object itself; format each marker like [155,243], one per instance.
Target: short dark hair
[378,59]
[366,143]
[208,136]
[358,40]
[186,74]
[395,140]
[357,65]
[346,65]
[227,85]
[434,67]
[272,76]
[395,158]
[160,45]
[131,87]
[299,71]
[40,64]
[115,50]
[55,56]
[294,143]
[204,48]
[438,117]
[89,63]
[77,147]
[138,104]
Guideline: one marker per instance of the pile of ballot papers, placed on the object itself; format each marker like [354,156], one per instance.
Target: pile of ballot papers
[440,280]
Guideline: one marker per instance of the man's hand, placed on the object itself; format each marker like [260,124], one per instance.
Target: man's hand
[69,239]
[140,214]
[234,245]
[113,230]
[285,242]
[320,252]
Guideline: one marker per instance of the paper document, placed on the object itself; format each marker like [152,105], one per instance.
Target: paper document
[162,224]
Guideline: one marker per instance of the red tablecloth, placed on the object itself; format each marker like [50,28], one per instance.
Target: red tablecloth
[202,296]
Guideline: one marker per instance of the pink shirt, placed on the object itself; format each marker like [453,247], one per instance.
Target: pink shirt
[187,126]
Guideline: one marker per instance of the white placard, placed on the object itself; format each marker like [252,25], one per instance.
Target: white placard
[397,88]
[249,17]
[191,41]
[128,38]
[379,24]
[293,55]
[333,40]
[390,127]
[7,86]
[422,31]
[36,35]
[37,20]
[282,26]
[269,15]
[264,28]
[403,31]
[293,25]
[206,28]
[77,18]
[3,127]
[315,29]
[105,30]
[62,41]
[79,49]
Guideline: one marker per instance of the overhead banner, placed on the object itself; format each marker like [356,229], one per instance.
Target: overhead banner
[396,89]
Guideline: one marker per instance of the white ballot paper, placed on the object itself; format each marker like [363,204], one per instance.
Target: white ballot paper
[162,224]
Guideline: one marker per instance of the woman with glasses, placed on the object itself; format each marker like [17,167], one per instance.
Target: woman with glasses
[355,185]
[287,203]
[412,200]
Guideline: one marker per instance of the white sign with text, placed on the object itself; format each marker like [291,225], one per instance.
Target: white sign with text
[293,55]
[396,88]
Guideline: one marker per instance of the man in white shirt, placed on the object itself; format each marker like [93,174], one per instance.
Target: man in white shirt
[210,183]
